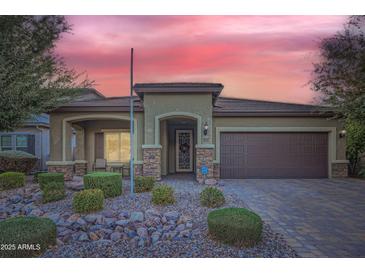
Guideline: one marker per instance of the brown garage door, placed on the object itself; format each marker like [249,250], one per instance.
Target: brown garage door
[274,155]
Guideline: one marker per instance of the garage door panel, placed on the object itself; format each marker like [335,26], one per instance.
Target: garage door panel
[274,155]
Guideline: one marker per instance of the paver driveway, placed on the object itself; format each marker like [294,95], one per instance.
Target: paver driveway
[319,218]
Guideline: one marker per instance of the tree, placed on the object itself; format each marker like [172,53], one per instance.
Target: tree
[355,138]
[339,75]
[33,78]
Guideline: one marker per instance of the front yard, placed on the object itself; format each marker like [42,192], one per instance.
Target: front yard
[131,226]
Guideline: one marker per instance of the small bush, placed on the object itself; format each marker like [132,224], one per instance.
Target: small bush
[235,226]
[26,236]
[163,195]
[144,183]
[9,180]
[109,182]
[52,186]
[35,176]
[18,161]
[88,200]
[211,197]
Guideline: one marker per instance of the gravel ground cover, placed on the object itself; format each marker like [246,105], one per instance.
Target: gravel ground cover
[130,226]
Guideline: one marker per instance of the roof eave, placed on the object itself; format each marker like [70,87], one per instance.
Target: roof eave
[273,114]
[96,109]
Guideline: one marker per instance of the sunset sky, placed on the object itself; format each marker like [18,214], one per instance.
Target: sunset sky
[256,57]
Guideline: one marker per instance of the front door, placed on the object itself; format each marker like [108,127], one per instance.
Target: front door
[184,150]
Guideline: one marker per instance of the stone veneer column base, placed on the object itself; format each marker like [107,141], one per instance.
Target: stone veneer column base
[204,157]
[339,170]
[138,170]
[80,167]
[67,168]
[216,171]
[152,162]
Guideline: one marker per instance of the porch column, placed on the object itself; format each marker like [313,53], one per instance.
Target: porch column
[204,157]
[152,161]
[60,139]
[80,160]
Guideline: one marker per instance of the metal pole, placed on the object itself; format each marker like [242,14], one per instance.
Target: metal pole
[132,129]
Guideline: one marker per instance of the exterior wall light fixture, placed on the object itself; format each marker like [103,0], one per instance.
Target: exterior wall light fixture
[205,129]
[342,133]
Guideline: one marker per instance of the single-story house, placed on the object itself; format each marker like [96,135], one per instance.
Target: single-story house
[182,127]
[32,137]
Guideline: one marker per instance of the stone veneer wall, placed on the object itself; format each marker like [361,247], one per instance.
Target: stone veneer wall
[204,156]
[80,168]
[152,162]
[216,171]
[67,170]
[339,170]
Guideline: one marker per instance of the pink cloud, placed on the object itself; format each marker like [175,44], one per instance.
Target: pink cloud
[263,57]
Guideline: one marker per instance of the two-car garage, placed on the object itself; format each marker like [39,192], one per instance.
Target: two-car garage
[273,155]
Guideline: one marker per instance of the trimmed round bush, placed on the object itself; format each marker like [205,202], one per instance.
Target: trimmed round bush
[235,226]
[26,236]
[211,197]
[9,180]
[88,200]
[144,183]
[163,195]
[109,182]
[52,186]
[18,161]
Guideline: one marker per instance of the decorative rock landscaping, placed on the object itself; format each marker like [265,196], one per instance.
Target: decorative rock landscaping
[130,226]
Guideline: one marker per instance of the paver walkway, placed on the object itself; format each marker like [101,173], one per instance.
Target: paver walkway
[318,218]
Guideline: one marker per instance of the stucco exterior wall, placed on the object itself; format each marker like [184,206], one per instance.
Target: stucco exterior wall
[283,122]
[157,104]
[97,121]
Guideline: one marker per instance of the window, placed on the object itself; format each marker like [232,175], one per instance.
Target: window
[117,146]
[23,142]
[6,142]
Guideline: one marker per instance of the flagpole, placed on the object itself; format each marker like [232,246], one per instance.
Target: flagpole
[131,127]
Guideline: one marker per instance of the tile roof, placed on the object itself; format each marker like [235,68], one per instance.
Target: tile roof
[110,103]
[178,87]
[234,106]
[42,119]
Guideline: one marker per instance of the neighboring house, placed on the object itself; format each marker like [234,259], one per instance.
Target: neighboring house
[181,127]
[32,137]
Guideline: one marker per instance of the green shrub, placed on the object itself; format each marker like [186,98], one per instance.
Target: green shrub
[211,197]
[144,183]
[35,176]
[235,226]
[18,161]
[88,200]
[163,195]
[9,180]
[52,186]
[20,232]
[109,182]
